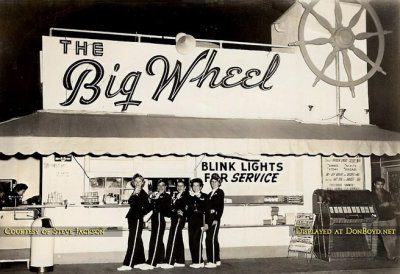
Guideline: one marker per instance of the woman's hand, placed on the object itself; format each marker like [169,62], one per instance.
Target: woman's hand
[215,223]
[180,212]
[205,227]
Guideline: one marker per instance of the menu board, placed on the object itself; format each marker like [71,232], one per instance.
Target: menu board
[342,173]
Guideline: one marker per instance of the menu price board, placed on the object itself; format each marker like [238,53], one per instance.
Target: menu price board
[342,173]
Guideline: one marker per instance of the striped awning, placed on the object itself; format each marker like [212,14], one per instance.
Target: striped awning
[119,134]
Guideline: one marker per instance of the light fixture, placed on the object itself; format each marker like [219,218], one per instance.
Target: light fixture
[310,107]
[185,43]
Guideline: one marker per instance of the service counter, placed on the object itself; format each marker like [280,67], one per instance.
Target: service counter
[242,229]
[16,218]
[15,248]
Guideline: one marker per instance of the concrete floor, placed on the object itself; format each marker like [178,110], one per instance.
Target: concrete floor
[269,265]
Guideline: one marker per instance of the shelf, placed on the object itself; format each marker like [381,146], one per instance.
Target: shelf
[127,205]
[244,226]
[108,206]
[224,226]
[262,204]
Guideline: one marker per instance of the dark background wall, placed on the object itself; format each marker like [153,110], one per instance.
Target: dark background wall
[23,22]
[384,91]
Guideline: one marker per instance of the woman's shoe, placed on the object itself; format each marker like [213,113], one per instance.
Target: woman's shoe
[211,265]
[167,266]
[124,268]
[139,266]
[179,265]
[197,265]
[147,267]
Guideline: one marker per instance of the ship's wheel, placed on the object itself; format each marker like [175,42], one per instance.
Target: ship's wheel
[342,39]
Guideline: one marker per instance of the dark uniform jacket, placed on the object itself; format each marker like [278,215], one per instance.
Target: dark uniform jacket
[197,205]
[139,205]
[215,205]
[179,202]
[161,204]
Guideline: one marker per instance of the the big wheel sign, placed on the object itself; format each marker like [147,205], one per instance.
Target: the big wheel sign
[154,79]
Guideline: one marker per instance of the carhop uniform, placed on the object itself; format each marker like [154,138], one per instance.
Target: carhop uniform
[161,206]
[196,220]
[139,206]
[175,249]
[215,208]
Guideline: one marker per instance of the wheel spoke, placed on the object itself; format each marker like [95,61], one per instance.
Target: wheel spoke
[338,14]
[356,17]
[360,54]
[366,35]
[317,41]
[328,61]
[321,20]
[347,68]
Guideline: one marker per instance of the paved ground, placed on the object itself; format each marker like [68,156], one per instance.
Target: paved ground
[270,265]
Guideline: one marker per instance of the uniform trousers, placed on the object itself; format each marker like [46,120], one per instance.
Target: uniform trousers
[195,224]
[156,248]
[175,249]
[135,252]
[212,244]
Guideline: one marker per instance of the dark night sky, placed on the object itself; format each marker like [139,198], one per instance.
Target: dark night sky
[23,23]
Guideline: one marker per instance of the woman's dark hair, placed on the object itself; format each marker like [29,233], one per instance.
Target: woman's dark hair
[137,175]
[216,177]
[196,180]
[20,187]
[161,181]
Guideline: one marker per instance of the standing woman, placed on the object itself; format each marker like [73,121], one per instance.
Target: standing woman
[215,208]
[196,220]
[139,206]
[161,205]
[175,255]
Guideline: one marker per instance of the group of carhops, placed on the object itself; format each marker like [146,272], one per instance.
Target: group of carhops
[202,211]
